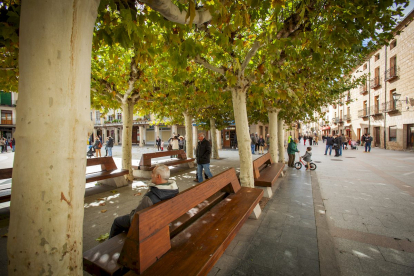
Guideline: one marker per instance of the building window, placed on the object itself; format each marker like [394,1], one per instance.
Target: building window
[393,133]
[393,44]
[393,66]
[119,116]
[377,57]
[5,98]
[6,117]
[110,118]
[365,66]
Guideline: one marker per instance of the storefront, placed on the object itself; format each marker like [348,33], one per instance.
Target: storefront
[229,137]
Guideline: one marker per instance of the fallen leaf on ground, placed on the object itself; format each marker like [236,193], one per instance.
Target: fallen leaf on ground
[103,237]
[137,194]
[100,199]
[103,211]
[114,191]
[102,204]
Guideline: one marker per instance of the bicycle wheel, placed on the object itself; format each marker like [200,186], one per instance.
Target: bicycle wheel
[312,166]
[298,165]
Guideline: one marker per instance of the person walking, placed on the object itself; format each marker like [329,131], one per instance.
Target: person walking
[235,141]
[340,142]
[368,141]
[257,142]
[261,143]
[300,137]
[2,144]
[110,145]
[345,142]
[158,143]
[307,157]
[336,145]
[203,153]
[13,145]
[253,142]
[315,141]
[98,146]
[268,141]
[310,140]
[304,140]
[292,150]
[329,144]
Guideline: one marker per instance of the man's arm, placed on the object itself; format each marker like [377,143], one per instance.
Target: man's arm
[145,203]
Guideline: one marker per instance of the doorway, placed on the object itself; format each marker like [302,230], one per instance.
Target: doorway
[377,136]
[228,137]
[358,134]
[410,137]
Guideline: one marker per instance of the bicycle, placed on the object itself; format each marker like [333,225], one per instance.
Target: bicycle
[298,165]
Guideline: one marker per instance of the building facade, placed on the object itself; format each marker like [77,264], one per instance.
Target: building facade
[8,102]
[384,105]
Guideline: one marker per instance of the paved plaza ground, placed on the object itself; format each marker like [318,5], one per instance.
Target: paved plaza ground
[354,215]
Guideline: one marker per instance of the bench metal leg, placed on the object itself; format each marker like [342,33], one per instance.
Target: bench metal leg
[256,212]
[267,191]
[117,182]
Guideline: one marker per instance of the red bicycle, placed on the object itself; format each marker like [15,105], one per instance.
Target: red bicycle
[298,165]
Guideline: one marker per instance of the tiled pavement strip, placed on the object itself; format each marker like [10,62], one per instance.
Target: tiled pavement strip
[368,201]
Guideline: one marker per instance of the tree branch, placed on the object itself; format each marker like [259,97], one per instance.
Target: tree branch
[134,75]
[9,68]
[206,64]
[170,11]
[249,56]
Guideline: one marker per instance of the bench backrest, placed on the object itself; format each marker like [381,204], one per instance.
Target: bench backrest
[6,173]
[264,159]
[149,238]
[146,157]
[107,163]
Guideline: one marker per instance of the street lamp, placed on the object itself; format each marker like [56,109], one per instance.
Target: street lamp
[396,96]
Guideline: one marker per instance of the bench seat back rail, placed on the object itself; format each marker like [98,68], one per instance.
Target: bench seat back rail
[259,162]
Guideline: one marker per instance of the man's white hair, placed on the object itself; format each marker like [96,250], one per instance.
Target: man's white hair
[201,134]
[163,171]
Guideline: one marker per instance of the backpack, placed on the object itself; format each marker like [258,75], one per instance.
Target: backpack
[99,145]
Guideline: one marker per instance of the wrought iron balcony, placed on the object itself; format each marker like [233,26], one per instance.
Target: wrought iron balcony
[375,82]
[363,113]
[340,120]
[363,89]
[392,73]
[335,120]
[347,117]
[391,106]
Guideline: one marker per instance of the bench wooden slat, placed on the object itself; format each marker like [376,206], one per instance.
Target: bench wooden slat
[269,175]
[5,195]
[168,163]
[6,173]
[148,238]
[196,249]
[259,162]
[96,176]
[146,157]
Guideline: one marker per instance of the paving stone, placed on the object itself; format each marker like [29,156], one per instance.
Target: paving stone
[249,268]
[360,250]
[363,219]
[308,252]
[309,267]
[372,267]
[298,240]
[398,257]
[227,264]
[240,248]
[299,230]
[349,264]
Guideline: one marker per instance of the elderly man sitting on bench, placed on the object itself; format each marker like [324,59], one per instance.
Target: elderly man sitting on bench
[161,190]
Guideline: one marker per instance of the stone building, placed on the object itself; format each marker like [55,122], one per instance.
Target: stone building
[384,105]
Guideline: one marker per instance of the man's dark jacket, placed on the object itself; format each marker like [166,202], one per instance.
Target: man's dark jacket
[329,141]
[203,152]
[110,143]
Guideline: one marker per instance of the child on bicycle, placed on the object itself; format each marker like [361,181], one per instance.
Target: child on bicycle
[307,157]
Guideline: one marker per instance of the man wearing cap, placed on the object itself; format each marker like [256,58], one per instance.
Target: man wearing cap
[160,189]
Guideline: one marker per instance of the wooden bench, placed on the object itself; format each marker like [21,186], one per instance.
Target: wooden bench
[109,172]
[146,164]
[266,173]
[5,189]
[185,235]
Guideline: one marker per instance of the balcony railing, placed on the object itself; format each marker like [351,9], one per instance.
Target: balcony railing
[363,89]
[6,122]
[335,120]
[347,117]
[375,110]
[363,113]
[392,73]
[376,82]
[391,106]
[340,120]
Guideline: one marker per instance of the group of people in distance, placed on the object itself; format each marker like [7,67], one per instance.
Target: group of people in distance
[258,143]
[97,146]
[5,142]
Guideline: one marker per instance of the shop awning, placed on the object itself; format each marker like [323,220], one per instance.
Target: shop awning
[326,128]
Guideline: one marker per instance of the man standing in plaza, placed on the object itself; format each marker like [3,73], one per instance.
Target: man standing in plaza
[203,157]
[160,189]
[368,140]
[340,142]
[253,142]
[268,142]
[110,145]
[292,150]
[158,143]
[329,144]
